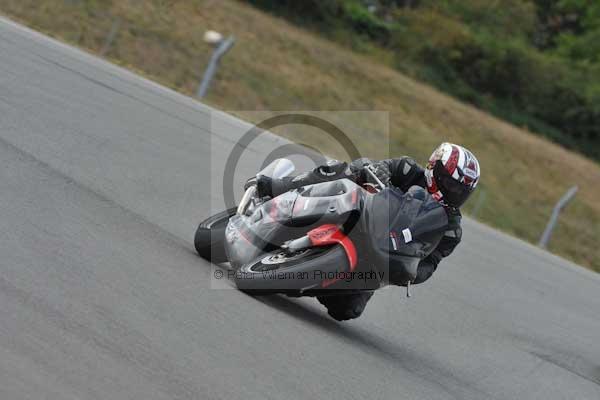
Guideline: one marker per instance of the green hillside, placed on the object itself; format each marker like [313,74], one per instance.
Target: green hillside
[535,63]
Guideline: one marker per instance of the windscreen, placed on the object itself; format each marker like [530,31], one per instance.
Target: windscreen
[278,168]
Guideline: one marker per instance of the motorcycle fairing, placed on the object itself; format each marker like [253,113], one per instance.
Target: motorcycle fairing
[247,236]
[289,216]
[327,202]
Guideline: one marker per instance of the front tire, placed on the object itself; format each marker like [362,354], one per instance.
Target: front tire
[209,239]
[277,272]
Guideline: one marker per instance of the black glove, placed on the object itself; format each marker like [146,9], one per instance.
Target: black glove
[264,186]
[380,169]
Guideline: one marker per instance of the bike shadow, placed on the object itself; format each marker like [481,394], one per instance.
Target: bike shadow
[359,335]
[426,367]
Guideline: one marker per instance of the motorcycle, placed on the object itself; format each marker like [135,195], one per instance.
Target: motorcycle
[323,239]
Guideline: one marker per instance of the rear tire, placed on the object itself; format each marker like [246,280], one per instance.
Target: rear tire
[277,273]
[209,239]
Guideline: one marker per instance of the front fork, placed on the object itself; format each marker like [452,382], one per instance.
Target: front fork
[325,235]
[248,196]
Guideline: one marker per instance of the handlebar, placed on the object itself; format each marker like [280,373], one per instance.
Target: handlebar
[369,169]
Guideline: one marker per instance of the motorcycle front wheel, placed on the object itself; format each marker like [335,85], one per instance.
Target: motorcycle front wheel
[280,272]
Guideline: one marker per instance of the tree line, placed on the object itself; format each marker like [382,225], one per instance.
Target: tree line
[535,63]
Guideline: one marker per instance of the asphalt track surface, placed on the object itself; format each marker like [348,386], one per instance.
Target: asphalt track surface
[102,181]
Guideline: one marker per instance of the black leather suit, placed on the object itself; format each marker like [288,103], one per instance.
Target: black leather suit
[401,172]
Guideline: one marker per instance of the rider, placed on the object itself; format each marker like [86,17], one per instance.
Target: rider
[450,176]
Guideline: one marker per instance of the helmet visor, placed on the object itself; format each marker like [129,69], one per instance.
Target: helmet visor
[455,193]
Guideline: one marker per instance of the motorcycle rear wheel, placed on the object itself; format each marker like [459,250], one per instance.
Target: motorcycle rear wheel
[209,239]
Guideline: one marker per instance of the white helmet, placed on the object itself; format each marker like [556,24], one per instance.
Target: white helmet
[452,174]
